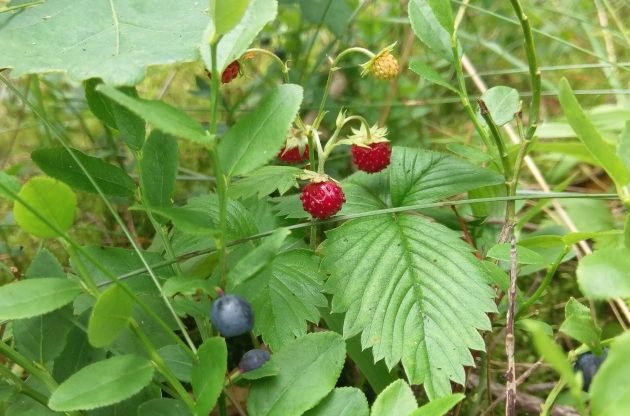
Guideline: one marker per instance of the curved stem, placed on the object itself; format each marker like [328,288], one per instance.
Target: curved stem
[276,58]
[333,68]
[40,373]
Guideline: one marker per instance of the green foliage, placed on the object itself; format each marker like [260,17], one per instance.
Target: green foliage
[110,316]
[158,169]
[309,367]
[440,406]
[396,399]
[60,164]
[578,324]
[208,373]
[265,181]
[37,296]
[226,15]
[503,103]
[342,401]
[605,274]
[45,208]
[90,40]
[103,383]
[432,22]
[610,390]
[258,137]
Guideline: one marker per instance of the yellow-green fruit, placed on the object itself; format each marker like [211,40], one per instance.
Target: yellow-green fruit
[385,66]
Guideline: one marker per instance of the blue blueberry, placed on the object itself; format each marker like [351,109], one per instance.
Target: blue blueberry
[253,359]
[232,315]
[588,364]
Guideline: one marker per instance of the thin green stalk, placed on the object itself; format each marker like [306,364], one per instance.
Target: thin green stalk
[38,372]
[21,6]
[24,388]
[534,70]
[216,163]
[551,271]
[463,93]
[498,142]
[276,58]
[385,211]
[162,367]
[333,68]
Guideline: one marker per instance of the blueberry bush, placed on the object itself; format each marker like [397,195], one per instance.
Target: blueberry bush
[314,207]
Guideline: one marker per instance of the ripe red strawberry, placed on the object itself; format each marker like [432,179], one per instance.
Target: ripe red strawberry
[322,199]
[373,158]
[229,73]
[293,156]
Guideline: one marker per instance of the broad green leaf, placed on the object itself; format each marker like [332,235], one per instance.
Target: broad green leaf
[110,316]
[266,370]
[103,383]
[130,126]
[334,14]
[578,324]
[425,71]
[364,192]
[256,138]
[188,220]
[77,354]
[342,401]
[265,181]
[591,137]
[605,274]
[8,182]
[523,255]
[130,405]
[163,407]
[113,40]
[309,368]
[285,295]
[234,43]
[257,259]
[290,206]
[158,169]
[23,405]
[227,14]
[59,163]
[45,264]
[623,145]
[610,390]
[376,373]
[53,200]
[390,275]
[178,361]
[576,150]
[396,399]
[419,176]
[440,406]
[551,352]
[163,116]
[42,338]
[503,103]
[37,296]
[591,215]
[431,21]
[208,374]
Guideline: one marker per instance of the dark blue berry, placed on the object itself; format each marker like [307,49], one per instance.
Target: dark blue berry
[232,315]
[253,359]
[588,364]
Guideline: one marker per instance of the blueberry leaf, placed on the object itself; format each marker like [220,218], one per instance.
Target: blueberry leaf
[308,370]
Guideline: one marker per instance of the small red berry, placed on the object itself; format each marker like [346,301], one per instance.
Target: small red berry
[322,199]
[229,73]
[373,158]
[293,156]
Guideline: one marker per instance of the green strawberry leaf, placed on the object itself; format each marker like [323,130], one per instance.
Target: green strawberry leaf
[419,176]
[285,295]
[396,399]
[342,401]
[113,40]
[414,291]
[265,181]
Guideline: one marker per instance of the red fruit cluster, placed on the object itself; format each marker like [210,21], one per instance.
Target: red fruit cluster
[373,158]
[293,156]
[229,73]
[322,199]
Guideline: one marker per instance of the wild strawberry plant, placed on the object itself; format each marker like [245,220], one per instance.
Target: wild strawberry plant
[286,273]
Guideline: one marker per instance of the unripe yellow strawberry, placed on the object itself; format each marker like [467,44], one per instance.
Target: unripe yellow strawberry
[385,66]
